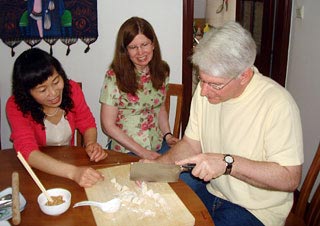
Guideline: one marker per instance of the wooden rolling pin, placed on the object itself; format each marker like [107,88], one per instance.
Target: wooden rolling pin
[16,219]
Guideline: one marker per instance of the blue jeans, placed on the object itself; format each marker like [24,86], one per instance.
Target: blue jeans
[164,147]
[225,213]
[196,184]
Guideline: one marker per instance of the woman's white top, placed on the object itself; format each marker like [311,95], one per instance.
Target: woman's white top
[58,134]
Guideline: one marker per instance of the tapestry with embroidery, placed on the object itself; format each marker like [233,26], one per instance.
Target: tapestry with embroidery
[33,21]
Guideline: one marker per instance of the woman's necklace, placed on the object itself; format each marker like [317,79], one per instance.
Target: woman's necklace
[144,70]
[53,114]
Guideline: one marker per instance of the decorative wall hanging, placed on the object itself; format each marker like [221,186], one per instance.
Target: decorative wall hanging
[218,12]
[33,21]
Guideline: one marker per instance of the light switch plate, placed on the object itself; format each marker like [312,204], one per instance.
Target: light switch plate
[300,12]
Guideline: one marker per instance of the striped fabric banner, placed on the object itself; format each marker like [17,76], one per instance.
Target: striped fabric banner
[33,21]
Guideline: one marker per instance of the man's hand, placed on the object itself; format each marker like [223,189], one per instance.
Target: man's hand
[208,166]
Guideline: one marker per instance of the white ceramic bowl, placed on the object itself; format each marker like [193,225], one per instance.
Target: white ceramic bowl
[57,209]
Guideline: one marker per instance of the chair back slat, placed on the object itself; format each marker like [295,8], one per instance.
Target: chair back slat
[313,213]
[175,90]
[307,185]
[79,138]
[302,210]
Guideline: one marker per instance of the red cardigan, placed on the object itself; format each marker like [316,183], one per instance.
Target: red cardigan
[27,135]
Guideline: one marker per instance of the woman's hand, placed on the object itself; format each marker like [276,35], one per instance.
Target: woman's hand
[171,140]
[95,152]
[151,155]
[86,176]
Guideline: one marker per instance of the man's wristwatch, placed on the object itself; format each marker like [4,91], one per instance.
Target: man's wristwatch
[229,161]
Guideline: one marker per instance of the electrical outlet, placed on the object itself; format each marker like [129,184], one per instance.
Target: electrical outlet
[300,12]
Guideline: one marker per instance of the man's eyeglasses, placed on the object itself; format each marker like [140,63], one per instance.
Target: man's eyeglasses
[214,85]
[143,46]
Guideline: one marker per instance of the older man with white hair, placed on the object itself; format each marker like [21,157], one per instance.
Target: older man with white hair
[244,134]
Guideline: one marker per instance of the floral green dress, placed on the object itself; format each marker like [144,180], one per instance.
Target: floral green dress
[138,114]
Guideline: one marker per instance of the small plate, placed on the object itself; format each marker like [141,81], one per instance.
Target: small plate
[6,213]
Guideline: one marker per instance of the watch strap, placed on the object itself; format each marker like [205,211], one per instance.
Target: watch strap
[165,136]
[228,169]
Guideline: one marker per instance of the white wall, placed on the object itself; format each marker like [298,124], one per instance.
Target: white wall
[303,80]
[199,9]
[165,17]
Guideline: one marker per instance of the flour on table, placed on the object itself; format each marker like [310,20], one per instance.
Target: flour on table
[135,200]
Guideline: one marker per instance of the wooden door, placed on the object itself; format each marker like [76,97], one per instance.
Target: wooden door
[269,23]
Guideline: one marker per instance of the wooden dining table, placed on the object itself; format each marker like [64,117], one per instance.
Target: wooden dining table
[32,215]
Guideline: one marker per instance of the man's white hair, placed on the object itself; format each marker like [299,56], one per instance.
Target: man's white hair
[226,51]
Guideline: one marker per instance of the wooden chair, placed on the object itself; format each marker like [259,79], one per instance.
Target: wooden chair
[304,213]
[79,138]
[175,90]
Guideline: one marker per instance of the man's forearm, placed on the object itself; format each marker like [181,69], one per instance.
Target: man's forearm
[181,150]
[267,175]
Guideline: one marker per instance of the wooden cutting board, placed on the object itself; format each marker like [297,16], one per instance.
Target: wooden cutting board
[149,205]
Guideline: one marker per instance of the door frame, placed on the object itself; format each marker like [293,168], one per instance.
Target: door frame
[187,45]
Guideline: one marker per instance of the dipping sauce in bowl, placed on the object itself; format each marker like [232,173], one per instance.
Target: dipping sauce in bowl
[56,200]
[61,201]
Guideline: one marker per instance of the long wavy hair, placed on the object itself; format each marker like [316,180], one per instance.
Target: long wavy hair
[31,68]
[123,66]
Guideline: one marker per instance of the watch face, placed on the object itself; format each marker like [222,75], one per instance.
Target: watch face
[228,159]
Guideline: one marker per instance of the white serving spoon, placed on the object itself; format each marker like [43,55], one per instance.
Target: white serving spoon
[110,207]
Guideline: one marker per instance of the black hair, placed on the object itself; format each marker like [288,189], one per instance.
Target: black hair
[31,68]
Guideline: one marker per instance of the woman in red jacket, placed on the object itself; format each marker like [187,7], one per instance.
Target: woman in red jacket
[45,109]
